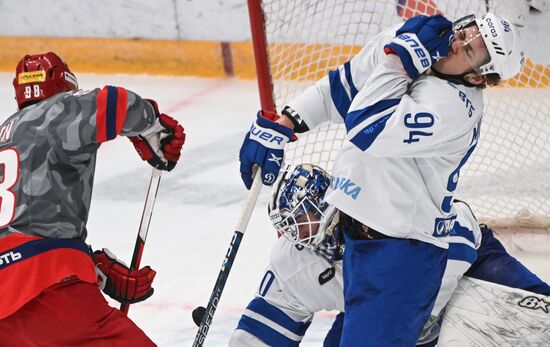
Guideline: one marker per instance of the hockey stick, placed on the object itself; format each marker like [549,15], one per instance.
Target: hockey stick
[144,225]
[267,100]
[205,315]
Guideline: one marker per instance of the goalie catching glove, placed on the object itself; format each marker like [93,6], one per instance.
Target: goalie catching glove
[420,42]
[161,144]
[264,145]
[119,282]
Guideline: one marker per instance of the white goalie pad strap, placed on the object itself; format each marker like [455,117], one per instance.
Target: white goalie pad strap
[268,137]
[419,55]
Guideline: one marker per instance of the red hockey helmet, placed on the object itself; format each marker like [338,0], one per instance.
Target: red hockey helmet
[40,76]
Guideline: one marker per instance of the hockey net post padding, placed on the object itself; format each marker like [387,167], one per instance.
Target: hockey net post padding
[507,180]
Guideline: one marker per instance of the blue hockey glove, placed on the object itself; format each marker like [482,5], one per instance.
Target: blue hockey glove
[264,145]
[420,42]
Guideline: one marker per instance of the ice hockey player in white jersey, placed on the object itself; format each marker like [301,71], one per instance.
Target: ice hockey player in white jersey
[411,102]
[305,271]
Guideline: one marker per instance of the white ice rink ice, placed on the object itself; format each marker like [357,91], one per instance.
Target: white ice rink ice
[197,207]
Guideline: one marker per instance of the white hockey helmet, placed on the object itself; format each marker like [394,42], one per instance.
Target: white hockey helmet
[503,42]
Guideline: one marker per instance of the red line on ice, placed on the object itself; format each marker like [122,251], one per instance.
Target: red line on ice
[193,97]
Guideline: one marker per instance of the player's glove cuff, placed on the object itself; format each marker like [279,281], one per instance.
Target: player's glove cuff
[269,133]
[420,42]
[119,282]
[264,146]
[414,57]
[161,144]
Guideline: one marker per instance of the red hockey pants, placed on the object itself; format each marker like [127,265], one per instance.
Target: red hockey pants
[72,313]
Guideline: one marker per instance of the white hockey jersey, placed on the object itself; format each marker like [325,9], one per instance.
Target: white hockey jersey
[299,282]
[407,142]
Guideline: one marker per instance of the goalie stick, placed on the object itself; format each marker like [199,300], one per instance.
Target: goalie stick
[205,315]
[144,225]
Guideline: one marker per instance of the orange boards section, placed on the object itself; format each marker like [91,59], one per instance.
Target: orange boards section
[197,58]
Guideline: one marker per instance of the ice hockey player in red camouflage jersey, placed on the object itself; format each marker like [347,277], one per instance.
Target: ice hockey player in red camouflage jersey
[48,276]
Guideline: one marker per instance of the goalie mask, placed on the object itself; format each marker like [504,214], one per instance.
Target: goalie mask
[297,210]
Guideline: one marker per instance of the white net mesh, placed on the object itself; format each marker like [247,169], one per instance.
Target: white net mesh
[507,181]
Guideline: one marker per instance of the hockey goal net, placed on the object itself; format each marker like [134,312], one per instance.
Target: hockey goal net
[507,180]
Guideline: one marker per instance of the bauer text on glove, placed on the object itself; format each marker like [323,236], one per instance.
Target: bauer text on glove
[420,42]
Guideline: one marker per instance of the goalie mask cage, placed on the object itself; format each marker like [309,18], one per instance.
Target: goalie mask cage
[507,180]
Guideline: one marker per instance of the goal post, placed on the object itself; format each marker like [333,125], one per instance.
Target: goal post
[261,57]
[507,180]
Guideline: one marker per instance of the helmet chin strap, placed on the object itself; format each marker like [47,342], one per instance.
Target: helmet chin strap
[457,79]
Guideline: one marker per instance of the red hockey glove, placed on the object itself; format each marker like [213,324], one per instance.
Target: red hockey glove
[119,282]
[161,144]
